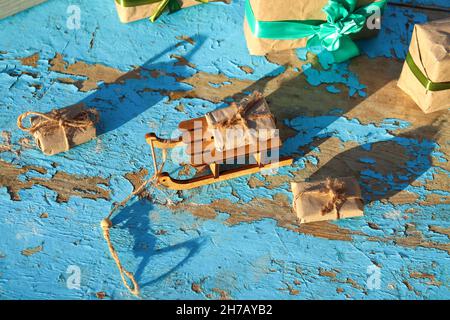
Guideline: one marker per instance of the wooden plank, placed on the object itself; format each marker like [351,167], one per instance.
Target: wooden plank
[11,7]
[348,119]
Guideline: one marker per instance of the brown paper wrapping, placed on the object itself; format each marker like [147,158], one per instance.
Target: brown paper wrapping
[50,139]
[430,50]
[274,10]
[261,128]
[309,201]
[130,14]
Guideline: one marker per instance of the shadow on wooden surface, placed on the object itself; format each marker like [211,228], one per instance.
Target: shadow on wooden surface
[131,94]
[135,218]
[385,168]
[291,96]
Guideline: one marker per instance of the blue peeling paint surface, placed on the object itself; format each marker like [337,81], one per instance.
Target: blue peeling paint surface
[170,250]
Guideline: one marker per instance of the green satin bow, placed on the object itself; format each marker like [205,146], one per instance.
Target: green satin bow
[172,5]
[343,19]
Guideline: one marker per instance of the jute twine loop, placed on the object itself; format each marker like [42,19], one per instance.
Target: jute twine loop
[241,116]
[106,224]
[84,119]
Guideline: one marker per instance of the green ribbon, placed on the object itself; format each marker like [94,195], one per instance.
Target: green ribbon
[343,19]
[172,5]
[427,83]
[135,3]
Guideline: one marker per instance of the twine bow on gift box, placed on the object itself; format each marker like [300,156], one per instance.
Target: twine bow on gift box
[332,189]
[335,189]
[343,19]
[171,5]
[57,118]
[242,116]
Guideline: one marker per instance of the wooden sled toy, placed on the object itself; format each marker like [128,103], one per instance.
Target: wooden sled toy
[198,136]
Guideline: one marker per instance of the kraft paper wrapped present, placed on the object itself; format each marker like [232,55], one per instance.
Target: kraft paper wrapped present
[425,75]
[10,7]
[61,129]
[273,25]
[248,123]
[133,10]
[327,200]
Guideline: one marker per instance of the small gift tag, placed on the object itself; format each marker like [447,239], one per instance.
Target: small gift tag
[327,200]
[61,129]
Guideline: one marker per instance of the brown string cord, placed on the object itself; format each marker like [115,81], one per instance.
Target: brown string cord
[56,118]
[106,225]
[336,188]
[241,116]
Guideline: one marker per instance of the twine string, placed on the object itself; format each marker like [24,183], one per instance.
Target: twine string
[334,188]
[242,115]
[84,119]
[106,224]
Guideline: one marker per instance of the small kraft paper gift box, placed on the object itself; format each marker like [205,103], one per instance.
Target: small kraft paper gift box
[133,10]
[61,129]
[274,25]
[248,123]
[425,75]
[10,7]
[330,199]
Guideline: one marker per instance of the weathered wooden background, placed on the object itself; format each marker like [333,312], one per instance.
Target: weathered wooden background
[236,239]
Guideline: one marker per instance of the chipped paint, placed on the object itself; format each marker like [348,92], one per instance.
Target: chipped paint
[63,184]
[30,251]
[232,240]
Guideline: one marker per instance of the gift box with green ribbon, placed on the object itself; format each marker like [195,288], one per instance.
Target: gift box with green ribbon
[425,75]
[132,10]
[331,24]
